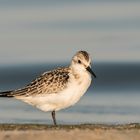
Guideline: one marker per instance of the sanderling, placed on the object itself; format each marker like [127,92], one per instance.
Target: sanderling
[59,88]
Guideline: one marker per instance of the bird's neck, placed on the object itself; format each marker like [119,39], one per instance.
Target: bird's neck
[78,73]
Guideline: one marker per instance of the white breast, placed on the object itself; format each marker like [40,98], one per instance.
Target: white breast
[64,99]
[77,89]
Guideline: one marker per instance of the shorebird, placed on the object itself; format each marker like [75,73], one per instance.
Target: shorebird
[57,89]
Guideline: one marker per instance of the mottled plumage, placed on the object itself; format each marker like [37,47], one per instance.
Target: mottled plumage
[49,82]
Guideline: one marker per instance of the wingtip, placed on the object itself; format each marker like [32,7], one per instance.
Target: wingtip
[6,94]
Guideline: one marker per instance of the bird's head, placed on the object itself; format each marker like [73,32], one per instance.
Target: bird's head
[81,62]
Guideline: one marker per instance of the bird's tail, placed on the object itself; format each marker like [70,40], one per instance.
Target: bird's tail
[6,94]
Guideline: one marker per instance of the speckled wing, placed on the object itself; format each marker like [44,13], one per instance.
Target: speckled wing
[49,82]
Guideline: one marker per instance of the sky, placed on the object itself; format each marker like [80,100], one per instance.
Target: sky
[41,31]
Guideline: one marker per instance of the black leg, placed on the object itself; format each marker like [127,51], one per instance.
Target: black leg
[53,116]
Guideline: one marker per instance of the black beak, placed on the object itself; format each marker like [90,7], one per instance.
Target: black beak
[90,70]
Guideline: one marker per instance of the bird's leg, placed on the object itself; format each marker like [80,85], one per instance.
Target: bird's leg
[53,116]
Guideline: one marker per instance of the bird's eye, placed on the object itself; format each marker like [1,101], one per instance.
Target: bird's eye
[79,61]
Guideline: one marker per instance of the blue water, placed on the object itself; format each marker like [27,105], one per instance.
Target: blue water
[112,98]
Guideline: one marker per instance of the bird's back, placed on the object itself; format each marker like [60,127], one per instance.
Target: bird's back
[49,82]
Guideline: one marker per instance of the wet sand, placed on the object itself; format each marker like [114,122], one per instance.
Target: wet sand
[69,132]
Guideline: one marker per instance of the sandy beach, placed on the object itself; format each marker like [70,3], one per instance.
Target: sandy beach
[69,132]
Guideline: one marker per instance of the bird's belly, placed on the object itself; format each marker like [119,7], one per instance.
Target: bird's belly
[64,99]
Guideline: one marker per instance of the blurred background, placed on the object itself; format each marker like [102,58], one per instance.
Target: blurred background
[36,36]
